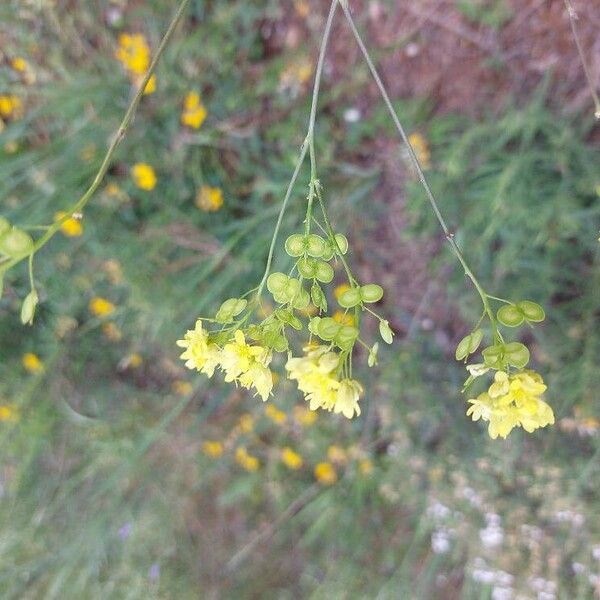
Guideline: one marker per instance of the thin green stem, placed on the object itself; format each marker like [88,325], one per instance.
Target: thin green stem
[586,69]
[117,139]
[306,146]
[31,281]
[313,114]
[415,161]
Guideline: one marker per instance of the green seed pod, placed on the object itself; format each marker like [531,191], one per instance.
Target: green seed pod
[280,344]
[350,298]
[469,344]
[315,245]
[296,323]
[385,331]
[284,315]
[328,328]
[4,226]
[307,267]
[516,354]
[301,300]
[346,337]
[295,245]
[15,243]
[342,242]
[493,356]
[510,315]
[329,251]
[531,311]
[318,297]
[313,325]
[324,272]
[372,359]
[28,308]
[371,292]
[277,282]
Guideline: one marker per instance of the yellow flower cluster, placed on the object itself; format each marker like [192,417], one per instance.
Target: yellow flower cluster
[8,413]
[316,374]
[133,53]
[241,362]
[245,460]
[421,149]
[209,199]
[194,111]
[10,106]
[144,176]
[512,401]
[32,363]
[101,307]
[72,227]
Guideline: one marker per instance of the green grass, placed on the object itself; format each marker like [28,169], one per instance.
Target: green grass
[104,489]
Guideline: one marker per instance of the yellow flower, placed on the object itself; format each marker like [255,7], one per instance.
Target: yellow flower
[245,460]
[246,423]
[317,379]
[348,395]
[292,460]
[133,53]
[112,332]
[421,149]
[304,416]
[512,401]
[194,112]
[150,86]
[343,317]
[182,388]
[214,449]
[8,413]
[200,353]
[340,289]
[71,227]
[209,199]
[365,466]
[277,416]
[32,362]
[11,106]
[325,473]
[19,64]
[101,307]
[248,365]
[133,361]
[144,176]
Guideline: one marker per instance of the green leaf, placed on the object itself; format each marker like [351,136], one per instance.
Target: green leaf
[294,245]
[277,282]
[371,292]
[324,272]
[350,298]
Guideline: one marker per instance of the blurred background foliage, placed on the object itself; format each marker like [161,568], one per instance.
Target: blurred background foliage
[124,476]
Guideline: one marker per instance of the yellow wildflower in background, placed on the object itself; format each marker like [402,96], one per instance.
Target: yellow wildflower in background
[304,416]
[194,112]
[325,473]
[101,307]
[133,53]
[150,86]
[365,466]
[245,460]
[336,454]
[343,317]
[421,148]
[144,176]
[182,388]
[209,199]
[11,106]
[512,401]
[277,416]
[112,332]
[246,423]
[8,413]
[292,460]
[212,448]
[32,363]
[72,227]
[19,64]
[340,289]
